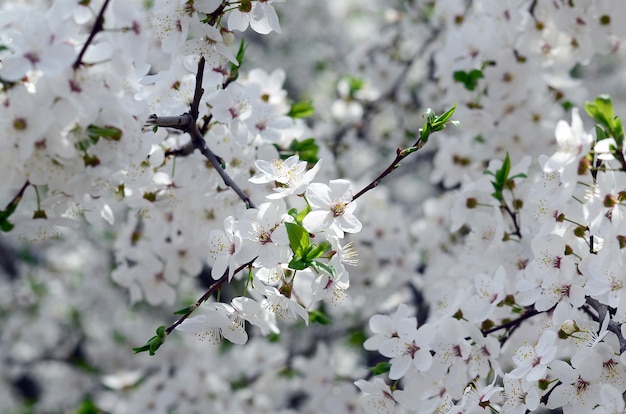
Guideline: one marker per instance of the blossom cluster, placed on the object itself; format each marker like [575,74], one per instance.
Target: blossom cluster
[144,165]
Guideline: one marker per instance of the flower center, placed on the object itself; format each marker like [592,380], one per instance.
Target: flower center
[338,209]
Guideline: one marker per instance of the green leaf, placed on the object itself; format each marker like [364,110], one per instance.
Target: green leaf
[501,177]
[5,224]
[325,267]
[301,215]
[468,79]
[107,132]
[601,111]
[445,117]
[381,368]
[293,212]
[357,338]
[600,133]
[354,85]
[297,263]
[503,173]
[317,316]
[301,110]
[318,250]
[234,68]
[567,105]
[307,150]
[298,239]
[153,343]
[88,407]
[184,311]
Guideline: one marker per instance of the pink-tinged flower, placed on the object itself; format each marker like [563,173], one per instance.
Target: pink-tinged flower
[267,124]
[410,347]
[36,45]
[332,208]
[210,45]
[265,234]
[231,106]
[532,362]
[579,391]
[377,397]
[385,327]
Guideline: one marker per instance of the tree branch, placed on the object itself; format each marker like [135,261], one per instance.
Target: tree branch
[188,123]
[214,287]
[198,142]
[97,27]
[614,327]
[176,122]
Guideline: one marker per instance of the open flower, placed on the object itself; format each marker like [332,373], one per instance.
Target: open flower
[261,17]
[532,362]
[332,208]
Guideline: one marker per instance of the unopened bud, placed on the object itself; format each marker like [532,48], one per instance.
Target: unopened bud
[569,327]
[580,231]
[583,166]
[228,37]
[609,201]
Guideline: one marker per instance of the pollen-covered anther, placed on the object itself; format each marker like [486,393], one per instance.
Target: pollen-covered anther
[338,209]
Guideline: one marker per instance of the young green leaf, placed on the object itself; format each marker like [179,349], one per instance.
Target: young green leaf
[153,343]
[381,368]
[301,110]
[468,79]
[186,310]
[444,118]
[298,263]
[107,132]
[298,239]
[307,150]
[601,111]
[317,316]
[325,267]
[318,250]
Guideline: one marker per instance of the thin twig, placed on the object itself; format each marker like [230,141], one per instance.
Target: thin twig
[513,216]
[513,323]
[97,27]
[400,155]
[214,287]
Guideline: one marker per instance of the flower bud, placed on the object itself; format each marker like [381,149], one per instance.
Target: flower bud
[569,327]
[228,37]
